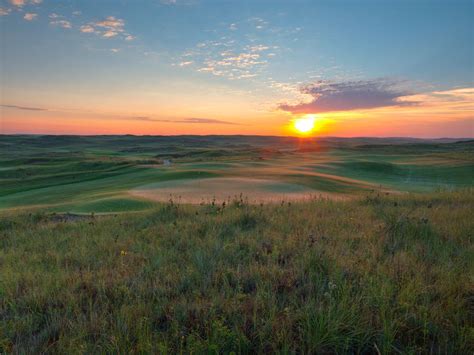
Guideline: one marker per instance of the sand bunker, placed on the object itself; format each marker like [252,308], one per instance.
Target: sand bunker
[226,189]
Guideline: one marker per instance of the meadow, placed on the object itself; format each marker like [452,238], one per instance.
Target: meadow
[94,259]
[104,174]
[384,274]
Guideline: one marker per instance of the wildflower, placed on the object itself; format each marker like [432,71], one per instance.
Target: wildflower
[123,252]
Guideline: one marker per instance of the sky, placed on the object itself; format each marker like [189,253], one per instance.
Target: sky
[383,68]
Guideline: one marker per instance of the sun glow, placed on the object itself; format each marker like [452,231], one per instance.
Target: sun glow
[304,125]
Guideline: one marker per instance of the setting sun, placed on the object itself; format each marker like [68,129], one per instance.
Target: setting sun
[304,125]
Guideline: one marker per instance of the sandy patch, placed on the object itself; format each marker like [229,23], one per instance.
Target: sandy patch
[227,189]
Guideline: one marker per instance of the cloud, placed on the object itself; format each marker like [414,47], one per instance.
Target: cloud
[187,120]
[194,120]
[111,23]
[184,64]
[177,2]
[206,121]
[26,108]
[109,33]
[226,59]
[329,96]
[235,51]
[110,27]
[456,100]
[87,29]
[4,12]
[258,48]
[61,23]
[30,16]
[18,3]
[21,3]
[55,21]
[258,22]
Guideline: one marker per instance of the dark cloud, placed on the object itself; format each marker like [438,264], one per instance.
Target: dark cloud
[25,108]
[186,120]
[350,95]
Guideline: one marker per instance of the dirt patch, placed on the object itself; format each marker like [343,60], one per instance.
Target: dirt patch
[227,189]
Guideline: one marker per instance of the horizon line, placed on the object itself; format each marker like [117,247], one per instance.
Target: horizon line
[230,135]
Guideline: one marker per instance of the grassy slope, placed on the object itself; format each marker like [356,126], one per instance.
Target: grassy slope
[384,273]
[404,176]
[95,187]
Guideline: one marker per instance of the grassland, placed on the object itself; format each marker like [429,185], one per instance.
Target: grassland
[97,256]
[381,274]
[104,174]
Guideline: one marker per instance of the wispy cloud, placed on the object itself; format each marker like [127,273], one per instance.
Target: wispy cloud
[26,108]
[185,64]
[21,3]
[194,120]
[107,28]
[29,16]
[456,100]
[207,121]
[109,34]
[237,50]
[87,29]
[112,23]
[258,22]
[226,58]
[4,12]
[177,2]
[327,96]
[110,27]
[18,3]
[61,23]
[94,115]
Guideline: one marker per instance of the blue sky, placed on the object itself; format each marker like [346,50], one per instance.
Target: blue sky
[186,58]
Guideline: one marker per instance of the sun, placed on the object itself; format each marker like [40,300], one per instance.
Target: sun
[305,124]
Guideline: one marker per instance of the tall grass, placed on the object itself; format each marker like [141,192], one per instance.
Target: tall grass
[380,274]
